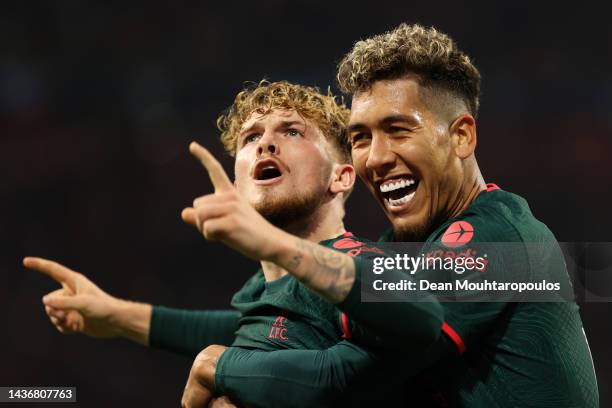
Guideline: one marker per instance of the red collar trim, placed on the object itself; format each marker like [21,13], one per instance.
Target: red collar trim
[492,187]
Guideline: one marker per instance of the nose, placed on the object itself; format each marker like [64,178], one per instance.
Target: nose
[380,157]
[267,145]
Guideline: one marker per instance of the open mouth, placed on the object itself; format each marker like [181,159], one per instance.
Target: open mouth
[267,170]
[398,191]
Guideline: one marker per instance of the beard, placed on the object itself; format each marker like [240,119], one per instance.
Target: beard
[283,212]
[419,233]
[412,233]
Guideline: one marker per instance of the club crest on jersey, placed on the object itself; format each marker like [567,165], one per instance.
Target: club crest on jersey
[279,328]
[457,234]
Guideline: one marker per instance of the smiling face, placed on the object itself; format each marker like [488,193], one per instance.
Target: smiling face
[405,154]
[283,166]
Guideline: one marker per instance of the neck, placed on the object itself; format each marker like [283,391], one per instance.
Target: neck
[468,192]
[325,223]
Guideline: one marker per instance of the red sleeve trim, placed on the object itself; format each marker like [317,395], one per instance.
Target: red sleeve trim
[450,332]
[492,187]
[345,327]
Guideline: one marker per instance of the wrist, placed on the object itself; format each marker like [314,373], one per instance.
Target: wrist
[278,246]
[131,320]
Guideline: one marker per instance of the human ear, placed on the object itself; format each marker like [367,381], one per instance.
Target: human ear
[463,136]
[343,178]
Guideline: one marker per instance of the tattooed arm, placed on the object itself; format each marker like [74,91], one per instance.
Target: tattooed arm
[337,278]
[227,217]
[326,271]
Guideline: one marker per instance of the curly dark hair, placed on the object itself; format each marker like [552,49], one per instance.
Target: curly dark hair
[433,57]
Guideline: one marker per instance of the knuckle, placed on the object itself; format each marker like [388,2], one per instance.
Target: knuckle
[213,231]
[231,221]
[208,231]
[203,215]
[197,366]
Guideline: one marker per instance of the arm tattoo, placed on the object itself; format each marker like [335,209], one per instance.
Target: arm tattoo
[294,263]
[331,274]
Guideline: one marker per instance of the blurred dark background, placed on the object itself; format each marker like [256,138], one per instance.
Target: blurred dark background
[99,100]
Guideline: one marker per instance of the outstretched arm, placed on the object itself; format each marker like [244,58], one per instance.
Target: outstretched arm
[80,306]
[187,332]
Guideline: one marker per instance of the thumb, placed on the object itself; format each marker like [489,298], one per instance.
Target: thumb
[189,216]
[77,302]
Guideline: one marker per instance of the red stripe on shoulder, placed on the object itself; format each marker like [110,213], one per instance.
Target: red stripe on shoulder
[454,336]
[346,332]
[492,187]
[347,243]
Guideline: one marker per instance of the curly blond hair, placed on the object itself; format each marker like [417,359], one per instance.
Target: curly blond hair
[327,112]
[432,56]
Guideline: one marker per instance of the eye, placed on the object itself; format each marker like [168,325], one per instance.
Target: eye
[396,129]
[253,137]
[293,132]
[358,137]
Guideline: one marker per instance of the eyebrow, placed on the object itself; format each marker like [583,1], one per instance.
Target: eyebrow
[289,123]
[247,130]
[284,125]
[387,120]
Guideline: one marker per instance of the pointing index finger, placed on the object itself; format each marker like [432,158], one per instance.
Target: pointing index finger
[55,271]
[215,171]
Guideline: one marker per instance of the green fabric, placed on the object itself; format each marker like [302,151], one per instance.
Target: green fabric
[377,325]
[517,354]
[284,314]
[300,378]
[287,329]
[189,331]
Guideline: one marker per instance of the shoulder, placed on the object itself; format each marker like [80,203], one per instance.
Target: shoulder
[495,216]
[251,289]
[257,278]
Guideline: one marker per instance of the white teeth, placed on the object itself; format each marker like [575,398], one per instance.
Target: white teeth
[396,185]
[400,201]
[385,188]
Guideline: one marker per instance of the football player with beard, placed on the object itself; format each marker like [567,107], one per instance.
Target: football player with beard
[412,130]
[292,171]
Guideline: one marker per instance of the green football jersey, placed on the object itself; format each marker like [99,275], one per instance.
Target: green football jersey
[285,314]
[507,354]
[495,354]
